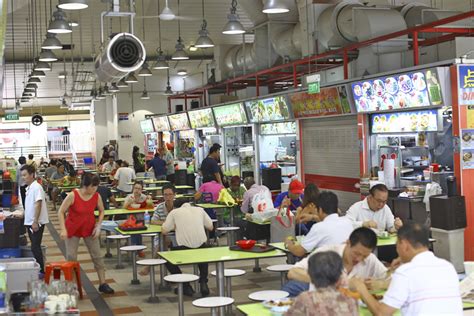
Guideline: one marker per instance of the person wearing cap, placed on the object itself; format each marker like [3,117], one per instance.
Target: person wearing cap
[210,165]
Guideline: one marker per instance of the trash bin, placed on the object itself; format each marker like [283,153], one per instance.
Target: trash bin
[449,245]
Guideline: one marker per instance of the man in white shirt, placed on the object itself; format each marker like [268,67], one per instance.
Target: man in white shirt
[373,211]
[356,255]
[109,165]
[123,176]
[189,224]
[331,230]
[36,212]
[422,285]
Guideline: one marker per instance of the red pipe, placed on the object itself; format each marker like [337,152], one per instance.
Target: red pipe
[295,79]
[346,65]
[416,56]
[257,83]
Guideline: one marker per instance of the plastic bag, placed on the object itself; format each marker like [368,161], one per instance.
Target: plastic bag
[262,205]
[226,198]
[282,225]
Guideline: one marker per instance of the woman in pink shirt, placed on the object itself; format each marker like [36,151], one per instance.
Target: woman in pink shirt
[210,186]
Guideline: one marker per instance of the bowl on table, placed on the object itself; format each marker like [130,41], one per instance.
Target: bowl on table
[135,205]
[246,244]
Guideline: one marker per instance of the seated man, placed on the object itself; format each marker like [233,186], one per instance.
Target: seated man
[356,255]
[190,224]
[109,165]
[325,269]
[331,230]
[373,212]
[293,199]
[422,285]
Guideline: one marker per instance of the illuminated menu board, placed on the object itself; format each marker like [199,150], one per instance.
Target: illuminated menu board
[201,118]
[161,123]
[400,122]
[146,126]
[230,114]
[416,89]
[268,110]
[179,122]
[278,128]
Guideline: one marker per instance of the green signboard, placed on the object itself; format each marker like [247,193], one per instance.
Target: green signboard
[314,87]
[12,117]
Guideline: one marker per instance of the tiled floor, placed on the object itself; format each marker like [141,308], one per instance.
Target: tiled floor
[131,299]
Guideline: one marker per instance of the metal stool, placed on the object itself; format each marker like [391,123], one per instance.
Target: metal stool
[133,250]
[119,254]
[230,233]
[229,274]
[283,269]
[268,295]
[213,302]
[152,263]
[180,279]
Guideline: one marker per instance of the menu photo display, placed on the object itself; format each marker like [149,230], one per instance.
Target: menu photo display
[201,118]
[267,110]
[147,126]
[179,122]
[230,114]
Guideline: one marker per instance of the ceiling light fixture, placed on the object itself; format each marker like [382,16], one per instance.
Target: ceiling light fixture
[204,41]
[275,6]
[38,74]
[233,25]
[73,4]
[47,56]
[34,80]
[59,25]
[145,71]
[145,95]
[62,75]
[51,42]
[193,48]
[131,78]
[42,66]
[32,86]
[122,83]
[182,72]
[168,91]
[179,54]
[73,24]
[167,14]
[161,62]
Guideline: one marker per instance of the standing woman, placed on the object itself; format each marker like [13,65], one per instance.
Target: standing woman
[80,223]
[138,160]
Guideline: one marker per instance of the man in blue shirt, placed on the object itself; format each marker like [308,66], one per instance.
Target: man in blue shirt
[159,167]
[210,165]
[292,199]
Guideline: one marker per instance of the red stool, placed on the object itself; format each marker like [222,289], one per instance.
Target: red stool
[69,268]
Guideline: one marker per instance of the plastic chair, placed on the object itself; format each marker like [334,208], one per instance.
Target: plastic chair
[69,269]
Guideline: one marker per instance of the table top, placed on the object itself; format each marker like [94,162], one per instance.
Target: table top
[69,187]
[151,182]
[151,229]
[178,187]
[212,205]
[214,254]
[123,211]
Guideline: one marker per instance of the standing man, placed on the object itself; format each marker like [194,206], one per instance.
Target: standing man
[159,167]
[373,211]
[66,136]
[36,212]
[168,157]
[210,165]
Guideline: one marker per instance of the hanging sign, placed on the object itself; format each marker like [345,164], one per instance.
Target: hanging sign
[123,116]
[12,116]
[466,84]
[314,83]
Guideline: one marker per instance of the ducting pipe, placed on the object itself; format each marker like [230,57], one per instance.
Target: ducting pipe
[123,54]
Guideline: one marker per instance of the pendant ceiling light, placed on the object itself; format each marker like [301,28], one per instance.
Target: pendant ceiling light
[204,41]
[182,72]
[62,75]
[161,62]
[30,89]
[144,95]
[34,80]
[122,83]
[32,86]
[59,25]
[145,70]
[168,91]
[25,100]
[131,78]
[73,23]
[179,54]
[47,56]
[167,14]
[233,25]
[27,94]
[275,6]
[73,4]
[51,42]
[100,94]
[114,88]
[42,66]
[38,74]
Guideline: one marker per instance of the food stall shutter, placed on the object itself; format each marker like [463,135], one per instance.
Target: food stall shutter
[331,156]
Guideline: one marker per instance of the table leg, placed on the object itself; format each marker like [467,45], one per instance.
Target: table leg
[134,267]
[220,283]
[119,256]
[153,252]
[196,283]
[228,294]
[180,299]
[107,245]
[153,298]
[410,214]
[257,266]
[282,278]
[163,286]
[213,311]
[232,215]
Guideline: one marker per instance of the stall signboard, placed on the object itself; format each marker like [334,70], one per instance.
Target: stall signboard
[329,101]
[161,123]
[268,110]
[278,128]
[230,114]
[147,126]
[201,118]
[400,91]
[403,122]
[179,122]
[466,84]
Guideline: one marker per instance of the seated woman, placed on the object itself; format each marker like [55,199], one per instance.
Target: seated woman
[236,190]
[56,180]
[325,270]
[70,180]
[306,214]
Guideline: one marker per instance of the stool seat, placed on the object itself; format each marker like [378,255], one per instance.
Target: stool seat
[230,273]
[118,236]
[70,269]
[181,278]
[213,301]
[228,228]
[150,235]
[214,220]
[280,267]
[268,295]
[133,248]
[151,262]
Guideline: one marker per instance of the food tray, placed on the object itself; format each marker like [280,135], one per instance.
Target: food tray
[132,229]
[256,248]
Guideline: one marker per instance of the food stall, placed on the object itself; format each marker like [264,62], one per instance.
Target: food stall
[151,140]
[183,136]
[162,129]
[204,124]
[238,140]
[276,139]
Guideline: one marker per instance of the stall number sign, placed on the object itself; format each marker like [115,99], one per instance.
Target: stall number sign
[466,85]
[12,117]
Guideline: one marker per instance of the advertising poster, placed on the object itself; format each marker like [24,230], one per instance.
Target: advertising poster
[231,114]
[266,110]
[466,85]
[400,122]
[327,102]
[123,116]
[467,159]
[278,128]
[147,126]
[179,122]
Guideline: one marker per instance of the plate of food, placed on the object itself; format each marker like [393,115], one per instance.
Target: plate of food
[419,81]
[378,87]
[367,89]
[278,303]
[357,90]
[405,83]
[391,85]
[467,156]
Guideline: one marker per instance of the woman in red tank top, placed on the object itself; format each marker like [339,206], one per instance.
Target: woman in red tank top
[80,222]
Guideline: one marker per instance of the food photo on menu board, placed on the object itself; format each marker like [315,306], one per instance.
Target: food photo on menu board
[416,121]
[326,102]
[179,122]
[146,126]
[161,123]
[271,109]
[201,118]
[231,114]
[467,138]
[278,128]
[397,92]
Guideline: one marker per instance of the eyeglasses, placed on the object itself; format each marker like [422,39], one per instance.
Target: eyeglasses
[168,194]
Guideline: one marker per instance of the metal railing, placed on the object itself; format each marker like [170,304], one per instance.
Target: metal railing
[74,143]
[16,152]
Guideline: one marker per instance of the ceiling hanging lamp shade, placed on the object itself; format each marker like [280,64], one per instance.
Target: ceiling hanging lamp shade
[29,89]
[73,4]
[167,14]
[180,54]
[182,72]
[47,56]
[38,74]
[59,25]
[34,80]
[161,62]
[73,23]
[275,6]
[145,71]
[51,42]
[204,41]
[131,78]
[114,88]
[145,95]
[42,66]
[168,91]
[233,25]
[122,83]
[32,86]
